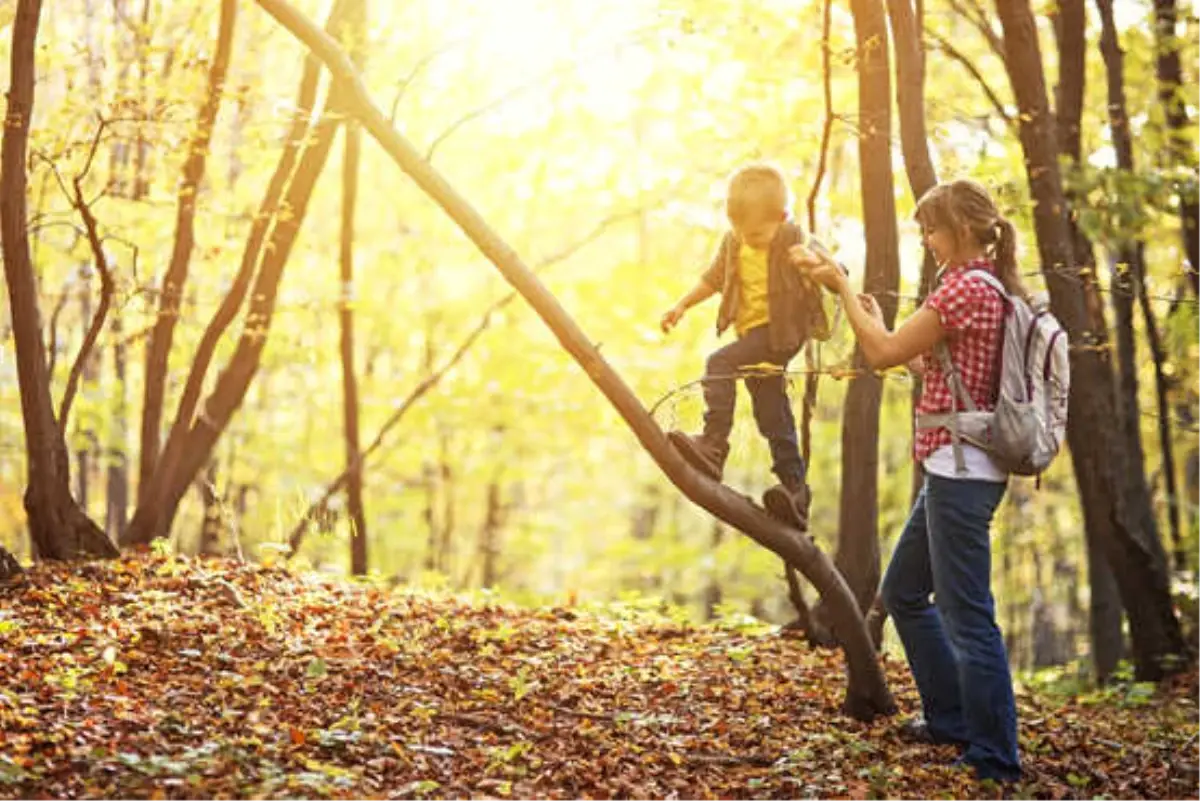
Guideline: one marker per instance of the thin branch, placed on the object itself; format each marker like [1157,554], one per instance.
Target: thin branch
[971,11]
[521,88]
[953,52]
[53,344]
[422,63]
[106,293]
[827,124]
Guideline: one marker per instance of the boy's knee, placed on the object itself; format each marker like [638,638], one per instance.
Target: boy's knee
[717,365]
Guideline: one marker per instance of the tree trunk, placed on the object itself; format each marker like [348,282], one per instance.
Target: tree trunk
[1179,148]
[1158,642]
[59,529]
[867,693]
[356,27]
[190,443]
[117,490]
[907,33]
[170,292]
[857,556]
[1095,497]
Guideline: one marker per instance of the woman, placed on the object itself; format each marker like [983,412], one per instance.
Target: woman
[953,644]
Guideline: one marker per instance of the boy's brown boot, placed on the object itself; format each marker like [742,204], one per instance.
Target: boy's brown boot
[789,502]
[705,454]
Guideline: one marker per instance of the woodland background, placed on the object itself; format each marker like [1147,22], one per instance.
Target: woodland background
[596,140]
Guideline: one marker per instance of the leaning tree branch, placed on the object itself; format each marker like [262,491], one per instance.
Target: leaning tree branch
[319,506]
[106,294]
[867,693]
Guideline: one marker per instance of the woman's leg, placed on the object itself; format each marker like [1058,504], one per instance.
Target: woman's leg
[905,592]
[959,518]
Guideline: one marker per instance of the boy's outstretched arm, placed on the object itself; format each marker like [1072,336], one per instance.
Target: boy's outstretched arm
[700,292]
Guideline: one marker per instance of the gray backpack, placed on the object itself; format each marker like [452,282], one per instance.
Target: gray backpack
[1028,426]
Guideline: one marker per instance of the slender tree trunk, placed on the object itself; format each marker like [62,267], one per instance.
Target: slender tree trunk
[58,527]
[210,524]
[1095,497]
[117,445]
[191,442]
[907,32]
[356,26]
[170,292]
[489,545]
[1180,149]
[857,556]
[867,693]
[1158,642]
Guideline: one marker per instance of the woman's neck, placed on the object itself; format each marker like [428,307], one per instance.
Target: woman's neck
[966,256]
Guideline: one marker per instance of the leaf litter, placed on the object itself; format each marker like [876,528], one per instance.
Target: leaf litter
[157,676]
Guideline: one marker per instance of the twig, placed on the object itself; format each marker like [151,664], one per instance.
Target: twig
[496,726]
[582,714]
[705,758]
[827,125]
[106,293]
[944,45]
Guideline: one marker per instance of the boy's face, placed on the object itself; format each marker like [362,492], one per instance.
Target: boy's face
[757,226]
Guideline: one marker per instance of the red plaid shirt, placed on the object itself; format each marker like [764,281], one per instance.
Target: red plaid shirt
[972,312]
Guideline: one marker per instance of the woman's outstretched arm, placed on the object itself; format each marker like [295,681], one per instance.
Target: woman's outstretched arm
[882,348]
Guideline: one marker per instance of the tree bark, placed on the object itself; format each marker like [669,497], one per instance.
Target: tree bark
[857,556]
[1158,643]
[356,27]
[170,292]
[58,527]
[1179,148]
[1105,613]
[867,693]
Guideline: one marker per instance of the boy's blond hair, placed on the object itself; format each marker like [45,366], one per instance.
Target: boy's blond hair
[756,186]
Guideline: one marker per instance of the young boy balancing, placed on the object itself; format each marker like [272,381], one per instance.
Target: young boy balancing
[774,309]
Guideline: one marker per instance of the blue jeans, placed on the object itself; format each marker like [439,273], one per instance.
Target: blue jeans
[954,647]
[768,396]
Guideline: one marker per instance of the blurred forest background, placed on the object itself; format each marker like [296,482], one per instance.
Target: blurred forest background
[596,138]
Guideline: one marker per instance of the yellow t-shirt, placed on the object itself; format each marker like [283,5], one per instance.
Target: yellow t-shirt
[752,310]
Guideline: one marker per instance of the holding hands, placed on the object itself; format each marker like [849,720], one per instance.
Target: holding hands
[817,267]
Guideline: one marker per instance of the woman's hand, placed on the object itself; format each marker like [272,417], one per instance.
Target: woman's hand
[871,307]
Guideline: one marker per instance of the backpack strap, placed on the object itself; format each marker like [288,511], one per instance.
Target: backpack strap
[958,391]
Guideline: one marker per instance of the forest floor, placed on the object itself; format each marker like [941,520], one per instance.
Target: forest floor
[161,677]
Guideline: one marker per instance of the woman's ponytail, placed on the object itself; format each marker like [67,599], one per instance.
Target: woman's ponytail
[1004,256]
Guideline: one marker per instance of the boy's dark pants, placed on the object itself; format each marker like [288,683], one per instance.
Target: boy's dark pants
[768,396]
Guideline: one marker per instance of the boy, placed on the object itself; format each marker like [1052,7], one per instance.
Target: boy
[774,309]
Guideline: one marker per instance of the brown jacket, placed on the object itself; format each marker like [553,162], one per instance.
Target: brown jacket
[793,304]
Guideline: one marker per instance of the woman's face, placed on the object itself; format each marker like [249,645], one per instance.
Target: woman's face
[941,242]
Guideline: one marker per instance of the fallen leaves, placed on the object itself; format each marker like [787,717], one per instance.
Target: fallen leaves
[154,676]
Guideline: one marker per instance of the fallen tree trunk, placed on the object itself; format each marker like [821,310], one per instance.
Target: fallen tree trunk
[867,693]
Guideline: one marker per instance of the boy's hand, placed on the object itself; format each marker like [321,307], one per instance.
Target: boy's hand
[672,317]
[801,256]
[827,275]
